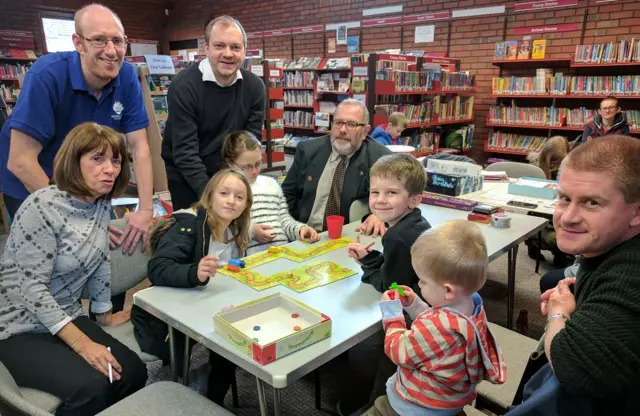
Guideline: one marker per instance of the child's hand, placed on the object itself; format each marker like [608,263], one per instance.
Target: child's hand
[307,232]
[357,251]
[390,295]
[207,267]
[261,235]
[409,296]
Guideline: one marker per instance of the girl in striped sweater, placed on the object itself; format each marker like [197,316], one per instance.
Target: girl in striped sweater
[270,219]
[449,348]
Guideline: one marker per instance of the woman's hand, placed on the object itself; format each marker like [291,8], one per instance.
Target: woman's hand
[120,318]
[207,267]
[307,232]
[98,357]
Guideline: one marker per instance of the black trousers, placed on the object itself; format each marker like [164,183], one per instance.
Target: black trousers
[182,195]
[44,362]
[550,279]
[12,205]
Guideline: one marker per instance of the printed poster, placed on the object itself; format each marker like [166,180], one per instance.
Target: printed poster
[353,44]
[331,45]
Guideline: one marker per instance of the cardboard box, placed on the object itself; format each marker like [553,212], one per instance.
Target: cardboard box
[453,185]
[533,187]
[271,327]
[448,201]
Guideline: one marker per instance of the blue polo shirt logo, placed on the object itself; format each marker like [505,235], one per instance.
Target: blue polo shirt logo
[117,109]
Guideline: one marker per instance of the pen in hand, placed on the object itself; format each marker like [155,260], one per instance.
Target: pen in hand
[110,368]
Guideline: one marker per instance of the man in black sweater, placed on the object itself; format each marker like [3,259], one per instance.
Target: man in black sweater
[206,101]
[592,340]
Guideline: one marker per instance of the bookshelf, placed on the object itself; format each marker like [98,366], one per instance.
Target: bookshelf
[430,91]
[273,114]
[552,91]
[12,72]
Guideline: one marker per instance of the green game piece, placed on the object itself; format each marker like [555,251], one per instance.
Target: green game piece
[394,286]
[256,339]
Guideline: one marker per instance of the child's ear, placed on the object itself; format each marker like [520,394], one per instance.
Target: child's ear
[414,200]
[450,291]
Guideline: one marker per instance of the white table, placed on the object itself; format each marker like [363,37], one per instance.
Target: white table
[497,194]
[352,305]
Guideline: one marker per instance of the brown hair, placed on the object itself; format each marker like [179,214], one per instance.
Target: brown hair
[454,252]
[82,139]
[617,155]
[553,151]
[236,143]
[240,226]
[404,168]
[399,120]
[610,97]
[225,21]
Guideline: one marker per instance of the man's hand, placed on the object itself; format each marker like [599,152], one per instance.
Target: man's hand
[207,267]
[544,298]
[357,251]
[261,235]
[138,225]
[562,300]
[372,226]
[309,233]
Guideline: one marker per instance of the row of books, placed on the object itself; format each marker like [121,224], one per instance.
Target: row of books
[527,48]
[519,142]
[415,113]
[303,63]
[299,79]
[457,80]
[8,92]
[275,82]
[633,119]
[612,52]
[17,53]
[557,84]
[458,108]
[618,85]
[13,70]
[409,81]
[460,138]
[298,119]
[422,142]
[159,83]
[393,65]
[334,82]
[298,97]
[542,116]
[292,140]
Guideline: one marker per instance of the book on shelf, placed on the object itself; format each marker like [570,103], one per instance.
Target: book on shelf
[543,83]
[613,52]
[159,83]
[539,116]
[524,47]
[299,79]
[605,85]
[358,85]
[9,93]
[298,119]
[421,141]
[512,49]
[538,49]
[303,63]
[298,97]
[9,70]
[322,120]
[516,142]
[338,63]
[160,104]
[460,138]
[333,82]
[500,52]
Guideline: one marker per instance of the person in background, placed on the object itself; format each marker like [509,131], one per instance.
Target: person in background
[188,249]
[592,342]
[388,133]
[64,89]
[330,172]
[206,101]
[553,151]
[58,245]
[449,348]
[609,120]
[271,222]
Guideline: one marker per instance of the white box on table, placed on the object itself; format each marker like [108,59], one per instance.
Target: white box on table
[276,335]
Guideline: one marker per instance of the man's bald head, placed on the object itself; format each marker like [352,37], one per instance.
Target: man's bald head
[93,12]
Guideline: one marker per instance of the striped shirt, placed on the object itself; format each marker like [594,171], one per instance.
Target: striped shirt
[443,356]
[270,208]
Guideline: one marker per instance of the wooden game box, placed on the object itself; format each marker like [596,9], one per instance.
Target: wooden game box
[263,329]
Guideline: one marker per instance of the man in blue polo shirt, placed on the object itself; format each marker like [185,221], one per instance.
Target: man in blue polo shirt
[62,90]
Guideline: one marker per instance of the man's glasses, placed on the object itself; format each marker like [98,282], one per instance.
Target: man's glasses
[101,42]
[351,126]
[608,108]
[249,168]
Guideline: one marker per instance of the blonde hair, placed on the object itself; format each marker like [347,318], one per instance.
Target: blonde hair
[402,167]
[82,139]
[399,120]
[454,252]
[616,155]
[236,143]
[240,226]
[553,151]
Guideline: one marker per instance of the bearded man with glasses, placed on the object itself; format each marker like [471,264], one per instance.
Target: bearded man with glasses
[331,172]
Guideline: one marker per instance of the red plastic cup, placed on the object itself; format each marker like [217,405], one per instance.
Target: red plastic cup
[334,226]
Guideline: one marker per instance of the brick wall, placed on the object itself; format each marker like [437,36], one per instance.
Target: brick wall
[142,19]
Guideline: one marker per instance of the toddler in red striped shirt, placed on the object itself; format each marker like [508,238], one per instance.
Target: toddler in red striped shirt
[449,348]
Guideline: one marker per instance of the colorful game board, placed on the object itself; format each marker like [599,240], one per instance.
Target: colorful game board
[300,279]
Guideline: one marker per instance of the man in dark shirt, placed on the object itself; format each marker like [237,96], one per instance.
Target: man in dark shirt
[206,101]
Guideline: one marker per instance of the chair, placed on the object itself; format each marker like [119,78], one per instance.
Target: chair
[16,401]
[358,209]
[517,170]
[516,349]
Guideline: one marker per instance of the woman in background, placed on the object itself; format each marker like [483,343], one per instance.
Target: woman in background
[609,120]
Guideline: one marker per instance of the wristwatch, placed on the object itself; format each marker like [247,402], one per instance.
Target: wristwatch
[557,315]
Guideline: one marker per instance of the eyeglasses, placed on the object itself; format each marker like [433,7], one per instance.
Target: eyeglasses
[351,126]
[101,42]
[249,168]
[608,108]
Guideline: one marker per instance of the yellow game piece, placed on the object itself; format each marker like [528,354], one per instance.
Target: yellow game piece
[274,249]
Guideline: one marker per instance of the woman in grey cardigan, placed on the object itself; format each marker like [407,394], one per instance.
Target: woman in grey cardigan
[57,245]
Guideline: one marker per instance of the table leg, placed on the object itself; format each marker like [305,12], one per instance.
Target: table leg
[539,253]
[186,361]
[172,355]
[262,400]
[511,285]
[318,386]
[277,405]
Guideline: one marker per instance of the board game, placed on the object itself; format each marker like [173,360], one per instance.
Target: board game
[300,279]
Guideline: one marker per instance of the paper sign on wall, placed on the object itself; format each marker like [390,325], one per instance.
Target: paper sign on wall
[424,34]
[341,35]
[353,44]
[160,64]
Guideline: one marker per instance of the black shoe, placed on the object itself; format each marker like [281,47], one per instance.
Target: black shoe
[532,251]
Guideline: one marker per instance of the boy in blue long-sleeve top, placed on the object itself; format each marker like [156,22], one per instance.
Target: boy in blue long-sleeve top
[388,133]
